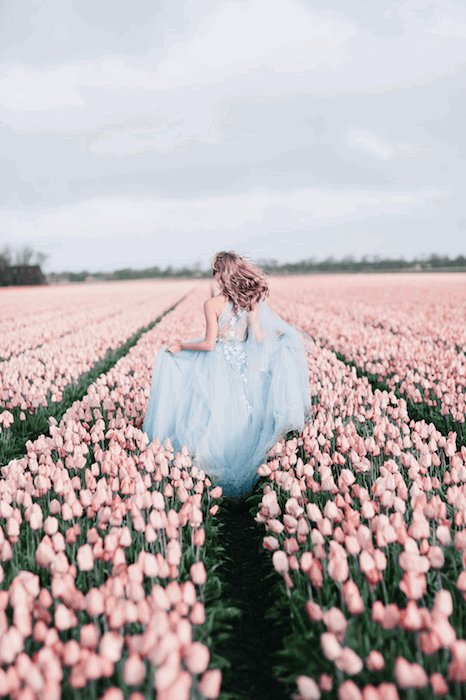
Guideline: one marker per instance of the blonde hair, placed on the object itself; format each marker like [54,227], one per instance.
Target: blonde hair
[243,282]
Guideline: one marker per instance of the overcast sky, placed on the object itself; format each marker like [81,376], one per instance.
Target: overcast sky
[158,132]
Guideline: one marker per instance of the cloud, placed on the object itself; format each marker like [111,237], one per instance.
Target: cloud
[370,143]
[447,26]
[315,207]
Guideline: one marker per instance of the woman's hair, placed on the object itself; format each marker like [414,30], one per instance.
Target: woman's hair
[243,282]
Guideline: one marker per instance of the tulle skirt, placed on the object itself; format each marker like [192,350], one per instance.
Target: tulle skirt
[231,405]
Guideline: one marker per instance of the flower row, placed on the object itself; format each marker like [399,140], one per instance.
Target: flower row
[31,379]
[422,359]
[364,514]
[105,571]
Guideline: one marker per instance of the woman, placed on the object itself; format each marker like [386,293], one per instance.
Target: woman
[230,396]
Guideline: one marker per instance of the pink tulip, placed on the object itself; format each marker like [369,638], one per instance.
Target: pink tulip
[436,557]
[85,558]
[306,561]
[64,617]
[388,691]
[36,519]
[209,685]
[150,565]
[349,662]
[71,652]
[413,585]
[409,675]
[134,670]
[444,630]
[458,649]
[438,684]
[280,562]
[457,671]
[325,682]
[89,636]
[410,618]
[174,553]
[198,573]
[314,611]
[336,622]
[375,661]
[197,614]
[352,597]
[199,537]
[352,545]
[111,645]
[443,535]
[270,543]
[349,691]
[330,646]
[12,529]
[167,673]
[307,688]
[94,602]
[391,616]
[188,592]
[315,574]
[461,581]
[275,526]
[11,644]
[113,694]
[370,692]
[197,657]
[443,602]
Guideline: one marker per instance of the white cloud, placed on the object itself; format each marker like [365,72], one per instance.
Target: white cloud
[448,26]
[282,36]
[268,47]
[119,216]
[370,143]
[248,39]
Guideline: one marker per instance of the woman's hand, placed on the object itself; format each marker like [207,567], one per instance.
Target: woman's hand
[174,348]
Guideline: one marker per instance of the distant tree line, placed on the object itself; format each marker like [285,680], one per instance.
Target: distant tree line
[365,264]
[24,267]
[21,267]
[434,262]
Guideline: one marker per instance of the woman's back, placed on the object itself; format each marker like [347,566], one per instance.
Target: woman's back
[235,327]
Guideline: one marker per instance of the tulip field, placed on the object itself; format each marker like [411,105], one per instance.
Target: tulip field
[111,549]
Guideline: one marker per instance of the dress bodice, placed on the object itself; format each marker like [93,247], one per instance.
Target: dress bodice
[232,327]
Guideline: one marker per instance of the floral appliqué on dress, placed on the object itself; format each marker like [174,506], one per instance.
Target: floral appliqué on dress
[233,349]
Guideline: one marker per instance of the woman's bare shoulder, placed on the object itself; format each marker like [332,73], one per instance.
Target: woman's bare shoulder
[217,303]
[217,300]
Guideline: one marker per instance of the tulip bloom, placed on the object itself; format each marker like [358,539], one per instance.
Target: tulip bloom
[210,682]
[280,562]
[198,573]
[330,646]
[85,558]
[409,675]
[134,670]
[308,688]
[349,691]
[375,661]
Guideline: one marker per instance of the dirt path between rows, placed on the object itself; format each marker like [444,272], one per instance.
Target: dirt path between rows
[257,635]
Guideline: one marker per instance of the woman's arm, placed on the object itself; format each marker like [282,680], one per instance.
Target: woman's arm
[210,335]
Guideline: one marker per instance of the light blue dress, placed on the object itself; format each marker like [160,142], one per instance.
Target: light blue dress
[231,405]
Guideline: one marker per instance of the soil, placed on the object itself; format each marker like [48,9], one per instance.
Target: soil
[257,635]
